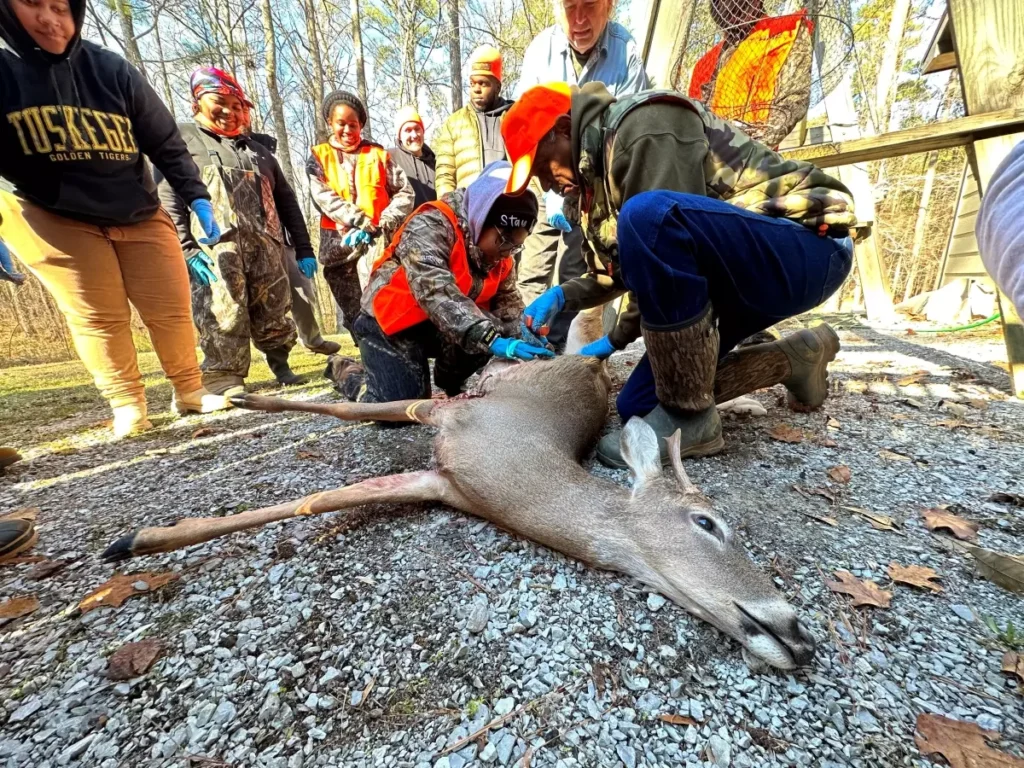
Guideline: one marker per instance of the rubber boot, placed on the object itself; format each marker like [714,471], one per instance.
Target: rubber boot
[130,419]
[202,401]
[683,359]
[277,359]
[16,536]
[224,384]
[809,352]
[326,347]
[8,456]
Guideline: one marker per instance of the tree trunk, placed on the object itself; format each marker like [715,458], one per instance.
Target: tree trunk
[131,45]
[276,107]
[919,227]
[168,93]
[357,50]
[455,53]
[318,79]
[885,87]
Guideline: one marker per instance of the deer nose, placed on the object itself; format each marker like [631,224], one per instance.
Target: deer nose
[779,623]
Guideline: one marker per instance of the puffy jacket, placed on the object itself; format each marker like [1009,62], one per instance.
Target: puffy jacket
[459,151]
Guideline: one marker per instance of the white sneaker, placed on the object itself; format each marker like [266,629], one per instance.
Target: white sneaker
[130,419]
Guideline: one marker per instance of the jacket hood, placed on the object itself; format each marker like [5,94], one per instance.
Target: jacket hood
[588,102]
[500,108]
[16,39]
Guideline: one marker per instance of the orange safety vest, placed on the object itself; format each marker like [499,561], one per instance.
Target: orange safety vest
[394,306]
[746,84]
[371,195]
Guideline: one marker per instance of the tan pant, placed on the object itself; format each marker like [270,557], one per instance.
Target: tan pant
[92,273]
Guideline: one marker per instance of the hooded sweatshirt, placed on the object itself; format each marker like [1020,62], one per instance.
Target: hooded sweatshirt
[76,127]
[1000,236]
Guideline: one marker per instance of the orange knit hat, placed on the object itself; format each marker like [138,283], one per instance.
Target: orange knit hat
[486,60]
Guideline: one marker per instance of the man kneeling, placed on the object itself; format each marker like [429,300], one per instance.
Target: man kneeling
[445,288]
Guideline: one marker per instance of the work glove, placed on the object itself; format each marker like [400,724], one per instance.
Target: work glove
[307,266]
[201,267]
[355,237]
[553,203]
[538,316]
[203,210]
[514,349]
[601,349]
[7,266]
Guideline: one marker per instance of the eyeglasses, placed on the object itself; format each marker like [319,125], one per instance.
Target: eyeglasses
[507,247]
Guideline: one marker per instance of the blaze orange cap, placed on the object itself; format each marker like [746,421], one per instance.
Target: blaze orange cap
[528,121]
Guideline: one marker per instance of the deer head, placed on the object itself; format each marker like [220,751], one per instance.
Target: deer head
[681,547]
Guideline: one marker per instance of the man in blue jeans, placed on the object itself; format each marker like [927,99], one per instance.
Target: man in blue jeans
[712,235]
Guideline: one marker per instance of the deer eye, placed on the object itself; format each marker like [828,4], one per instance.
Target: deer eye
[705,522]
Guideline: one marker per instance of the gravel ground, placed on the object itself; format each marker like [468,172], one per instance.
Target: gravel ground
[387,636]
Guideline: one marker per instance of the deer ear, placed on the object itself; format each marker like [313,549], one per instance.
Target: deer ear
[685,483]
[639,446]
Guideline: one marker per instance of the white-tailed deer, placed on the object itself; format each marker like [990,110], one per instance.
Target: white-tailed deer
[512,455]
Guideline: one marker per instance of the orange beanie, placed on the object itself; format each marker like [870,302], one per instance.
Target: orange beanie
[486,60]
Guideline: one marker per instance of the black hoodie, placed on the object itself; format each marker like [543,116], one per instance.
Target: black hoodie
[75,127]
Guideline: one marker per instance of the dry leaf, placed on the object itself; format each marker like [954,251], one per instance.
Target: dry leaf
[46,569]
[840,473]
[17,607]
[1013,499]
[915,575]
[309,455]
[878,521]
[25,560]
[833,423]
[787,434]
[827,442]
[821,519]
[121,587]
[25,513]
[937,518]
[825,493]
[915,403]
[1013,664]
[958,410]
[981,405]
[678,720]
[862,592]
[962,744]
[203,432]
[134,659]
[913,378]
[893,456]
[1005,570]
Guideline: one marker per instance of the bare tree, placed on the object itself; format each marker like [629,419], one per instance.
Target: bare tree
[455,53]
[276,106]
[357,49]
[128,39]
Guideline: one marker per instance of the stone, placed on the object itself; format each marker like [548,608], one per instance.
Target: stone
[276,572]
[963,612]
[479,615]
[504,706]
[329,675]
[559,583]
[26,710]
[489,753]
[721,751]
[655,602]
[626,754]
[226,713]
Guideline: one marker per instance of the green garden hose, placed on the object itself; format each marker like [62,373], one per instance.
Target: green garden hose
[968,327]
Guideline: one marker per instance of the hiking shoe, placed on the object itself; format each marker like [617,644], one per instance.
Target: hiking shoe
[200,401]
[326,347]
[809,351]
[700,435]
[130,419]
[16,536]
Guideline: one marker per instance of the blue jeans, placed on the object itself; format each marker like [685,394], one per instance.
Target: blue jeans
[677,252]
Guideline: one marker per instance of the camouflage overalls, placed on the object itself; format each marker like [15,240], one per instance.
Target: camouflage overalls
[251,297]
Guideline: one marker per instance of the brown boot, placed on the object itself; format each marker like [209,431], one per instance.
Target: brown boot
[683,360]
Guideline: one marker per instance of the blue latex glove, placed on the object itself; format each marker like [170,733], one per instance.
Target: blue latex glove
[538,316]
[601,349]
[203,209]
[553,204]
[7,266]
[307,266]
[201,267]
[355,237]
[514,349]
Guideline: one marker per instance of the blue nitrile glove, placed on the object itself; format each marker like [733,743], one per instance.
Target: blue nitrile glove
[307,266]
[201,267]
[355,237]
[203,209]
[7,266]
[600,349]
[553,203]
[542,310]
[514,349]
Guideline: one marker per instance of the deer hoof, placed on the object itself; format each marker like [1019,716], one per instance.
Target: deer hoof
[119,550]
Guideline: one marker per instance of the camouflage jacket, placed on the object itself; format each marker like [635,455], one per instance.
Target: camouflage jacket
[621,148]
[424,249]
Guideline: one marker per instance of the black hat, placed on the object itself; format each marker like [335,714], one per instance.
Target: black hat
[513,212]
[334,98]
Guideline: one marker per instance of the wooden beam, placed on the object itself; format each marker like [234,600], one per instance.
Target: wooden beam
[923,138]
[670,26]
[941,63]
[988,36]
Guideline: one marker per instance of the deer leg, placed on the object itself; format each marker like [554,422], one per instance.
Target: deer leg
[397,410]
[405,488]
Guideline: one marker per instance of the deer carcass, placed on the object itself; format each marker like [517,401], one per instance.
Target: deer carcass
[512,455]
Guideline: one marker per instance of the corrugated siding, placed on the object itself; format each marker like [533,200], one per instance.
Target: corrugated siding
[962,258]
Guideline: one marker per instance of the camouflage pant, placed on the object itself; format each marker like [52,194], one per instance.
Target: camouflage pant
[343,280]
[250,299]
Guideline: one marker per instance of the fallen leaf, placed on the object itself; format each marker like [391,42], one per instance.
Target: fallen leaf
[24,513]
[17,607]
[938,519]
[46,569]
[953,425]
[981,405]
[913,378]
[822,519]
[678,720]
[1005,570]
[915,575]
[915,403]
[787,434]
[833,423]
[911,332]
[827,442]
[956,409]
[1013,499]
[309,455]
[25,560]
[862,592]
[825,493]
[121,587]
[840,473]
[878,521]
[888,455]
[964,745]
[1013,664]
[134,659]
[203,432]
